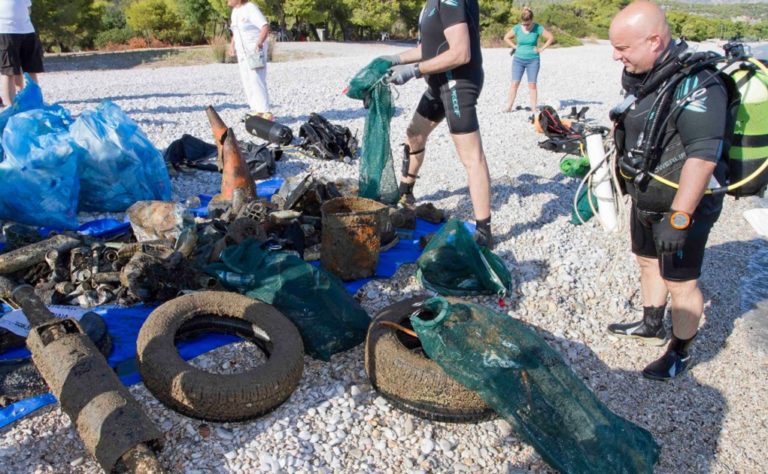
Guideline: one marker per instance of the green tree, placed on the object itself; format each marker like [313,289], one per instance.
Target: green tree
[196,14]
[66,25]
[153,19]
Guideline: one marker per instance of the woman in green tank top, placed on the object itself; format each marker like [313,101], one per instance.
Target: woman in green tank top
[526,55]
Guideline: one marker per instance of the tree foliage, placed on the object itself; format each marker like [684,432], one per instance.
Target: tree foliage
[78,24]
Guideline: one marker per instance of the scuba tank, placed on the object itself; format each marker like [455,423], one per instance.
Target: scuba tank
[268,130]
[749,144]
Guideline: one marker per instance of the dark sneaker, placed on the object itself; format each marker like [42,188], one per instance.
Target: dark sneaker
[650,329]
[674,362]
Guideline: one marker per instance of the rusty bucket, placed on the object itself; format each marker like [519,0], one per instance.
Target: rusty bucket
[350,239]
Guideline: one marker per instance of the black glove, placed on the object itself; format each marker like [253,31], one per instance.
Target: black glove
[399,75]
[394,59]
[671,231]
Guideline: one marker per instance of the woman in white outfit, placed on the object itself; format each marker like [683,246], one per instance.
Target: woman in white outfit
[249,37]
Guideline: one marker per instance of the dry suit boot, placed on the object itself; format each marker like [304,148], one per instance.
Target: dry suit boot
[673,362]
[483,235]
[407,198]
[650,329]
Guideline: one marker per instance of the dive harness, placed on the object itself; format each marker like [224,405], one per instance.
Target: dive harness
[637,162]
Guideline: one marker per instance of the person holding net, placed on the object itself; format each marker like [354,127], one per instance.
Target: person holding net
[449,59]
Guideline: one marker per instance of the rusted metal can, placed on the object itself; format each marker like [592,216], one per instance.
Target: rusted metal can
[350,238]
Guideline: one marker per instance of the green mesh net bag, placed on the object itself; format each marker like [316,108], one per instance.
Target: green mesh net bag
[377,172]
[527,382]
[452,264]
[327,316]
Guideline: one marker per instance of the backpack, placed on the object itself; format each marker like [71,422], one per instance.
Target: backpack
[325,140]
[563,136]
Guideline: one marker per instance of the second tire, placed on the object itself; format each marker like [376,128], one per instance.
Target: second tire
[219,397]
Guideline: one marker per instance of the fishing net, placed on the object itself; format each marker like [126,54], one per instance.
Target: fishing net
[527,382]
[453,264]
[377,171]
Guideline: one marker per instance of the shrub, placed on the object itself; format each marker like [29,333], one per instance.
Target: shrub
[138,42]
[153,18]
[114,36]
[564,39]
[219,48]
[493,35]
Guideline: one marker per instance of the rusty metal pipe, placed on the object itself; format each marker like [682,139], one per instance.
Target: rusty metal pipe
[33,254]
[109,421]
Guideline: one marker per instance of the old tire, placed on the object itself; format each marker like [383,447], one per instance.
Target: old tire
[400,371]
[219,397]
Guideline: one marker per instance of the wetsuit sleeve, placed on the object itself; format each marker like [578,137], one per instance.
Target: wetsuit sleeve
[702,122]
[452,12]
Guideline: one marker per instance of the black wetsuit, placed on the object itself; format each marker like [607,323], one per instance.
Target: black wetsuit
[696,130]
[452,94]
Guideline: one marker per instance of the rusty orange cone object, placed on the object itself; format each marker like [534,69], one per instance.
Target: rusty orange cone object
[234,172]
[219,129]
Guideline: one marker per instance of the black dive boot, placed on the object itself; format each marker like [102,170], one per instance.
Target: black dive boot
[407,199]
[650,329]
[483,235]
[673,362]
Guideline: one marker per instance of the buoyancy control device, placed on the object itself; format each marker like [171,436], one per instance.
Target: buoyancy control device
[746,80]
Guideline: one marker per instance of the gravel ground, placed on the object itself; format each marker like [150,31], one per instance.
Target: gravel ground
[570,283]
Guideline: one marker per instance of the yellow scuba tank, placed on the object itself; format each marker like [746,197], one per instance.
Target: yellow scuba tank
[748,154]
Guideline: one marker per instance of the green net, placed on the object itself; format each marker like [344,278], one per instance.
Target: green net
[574,166]
[377,172]
[453,264]
[583,208]
[527,382]
[327,316]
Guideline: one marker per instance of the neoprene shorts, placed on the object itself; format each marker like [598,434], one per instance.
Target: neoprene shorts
[20,53]
[452,99]
[684,265]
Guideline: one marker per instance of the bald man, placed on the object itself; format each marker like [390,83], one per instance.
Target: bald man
[669,227]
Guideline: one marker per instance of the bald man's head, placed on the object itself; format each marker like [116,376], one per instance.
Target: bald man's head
[639,34]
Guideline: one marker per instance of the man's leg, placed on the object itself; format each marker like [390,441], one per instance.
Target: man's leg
[470,149]
[9,89]
[687,306]
[416,137]
[511,95]
[653,288]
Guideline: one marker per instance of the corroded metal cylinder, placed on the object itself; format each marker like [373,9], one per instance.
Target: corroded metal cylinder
[33,254]
[110,422]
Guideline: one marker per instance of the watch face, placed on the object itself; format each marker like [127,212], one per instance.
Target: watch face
[680,220]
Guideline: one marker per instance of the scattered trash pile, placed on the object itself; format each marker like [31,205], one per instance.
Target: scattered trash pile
[287,256]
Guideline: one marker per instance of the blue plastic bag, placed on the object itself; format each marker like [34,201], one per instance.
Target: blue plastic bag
[121,166]
[29,98]
[40,169]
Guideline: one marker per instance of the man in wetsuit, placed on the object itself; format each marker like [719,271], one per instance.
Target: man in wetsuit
[449,58]
[669,227]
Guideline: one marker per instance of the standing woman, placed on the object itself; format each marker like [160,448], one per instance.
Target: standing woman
[249,35]
[526,56]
